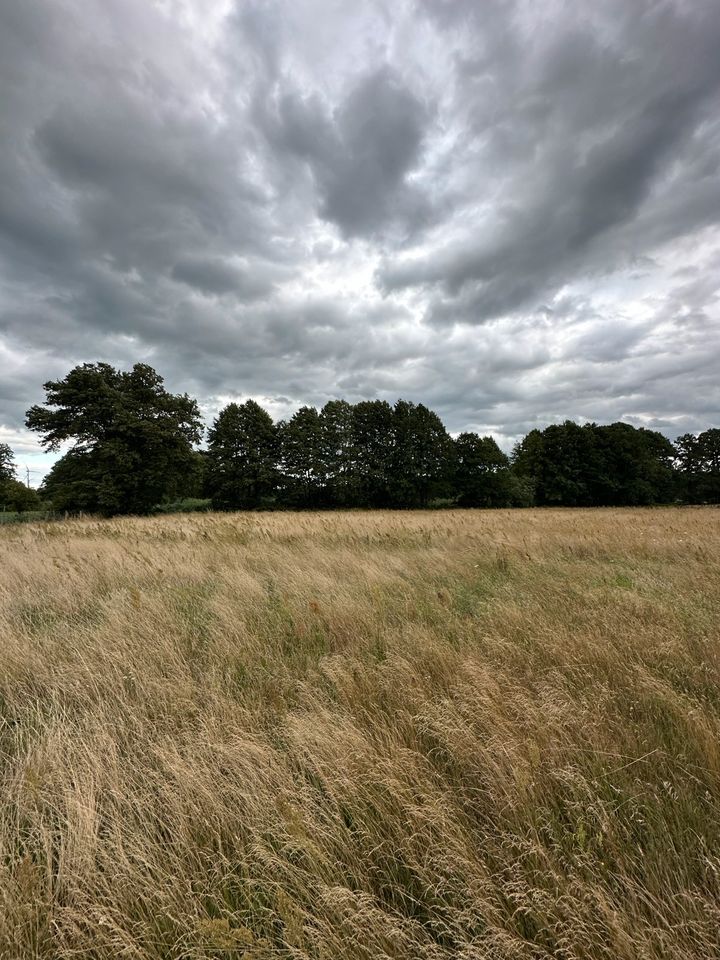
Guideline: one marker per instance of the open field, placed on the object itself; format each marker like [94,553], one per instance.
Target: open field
[360,736]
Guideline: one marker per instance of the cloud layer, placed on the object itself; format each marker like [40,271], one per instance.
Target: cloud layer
[509,212]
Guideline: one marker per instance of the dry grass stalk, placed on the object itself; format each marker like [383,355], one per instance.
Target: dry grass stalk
[418,735]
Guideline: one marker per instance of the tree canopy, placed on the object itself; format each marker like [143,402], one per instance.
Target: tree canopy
[7,463]
[131,446]
[14,495]
[241,465]
[482,474]
[131,440]
[698,459]
[300,458]
[580,466]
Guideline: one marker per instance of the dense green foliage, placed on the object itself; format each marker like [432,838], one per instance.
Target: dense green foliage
[699,462]
[132,440]
[15,497]
[133,451]
[482,477]
[241,463]
[300,464]
[7,464]
[591,465]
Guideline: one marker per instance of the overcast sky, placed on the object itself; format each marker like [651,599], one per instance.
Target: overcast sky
[508,211]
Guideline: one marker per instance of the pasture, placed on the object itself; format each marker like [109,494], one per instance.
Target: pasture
[352,736]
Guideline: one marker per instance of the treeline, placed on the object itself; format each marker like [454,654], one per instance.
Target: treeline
[372,454]
[14,495]
[134,447]
[368,454]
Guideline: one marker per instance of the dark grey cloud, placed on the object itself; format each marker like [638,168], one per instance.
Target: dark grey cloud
[381,127]
[509,212]
[215,276]
[597,131]
[360,154]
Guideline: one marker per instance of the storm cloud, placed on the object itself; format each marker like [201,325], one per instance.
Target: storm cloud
[510,212]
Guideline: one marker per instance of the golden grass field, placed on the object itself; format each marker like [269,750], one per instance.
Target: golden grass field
[461,734]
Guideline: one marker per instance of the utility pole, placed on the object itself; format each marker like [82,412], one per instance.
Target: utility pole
[27,477]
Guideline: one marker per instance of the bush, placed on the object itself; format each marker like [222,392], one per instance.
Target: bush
[188,505]
[15,496]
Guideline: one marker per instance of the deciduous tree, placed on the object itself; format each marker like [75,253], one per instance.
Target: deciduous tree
[132,441]
[372,431]
[422,456]
[241,463]
[300,458]
[482,474]
[338,459]
[7,463]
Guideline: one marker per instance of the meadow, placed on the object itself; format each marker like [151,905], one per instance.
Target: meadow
[352,736]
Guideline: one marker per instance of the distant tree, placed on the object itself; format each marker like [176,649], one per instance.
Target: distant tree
[613,465]
[7,463]
[709,442]
[567,465]
[7,473]
[196,478]
[422,460]
[15,496]
[241,463]
[301,459]
[698,459]
[337,455]
[658,463]
[372,435]
[636,466]
[689,467]
[72,482]
[527,463]
[482,473]
[552,459]
[132,440]
[521,490]
[710,450]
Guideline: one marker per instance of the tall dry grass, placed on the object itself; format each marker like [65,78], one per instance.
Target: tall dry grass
[419,735]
